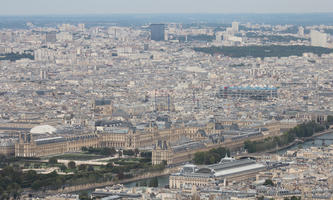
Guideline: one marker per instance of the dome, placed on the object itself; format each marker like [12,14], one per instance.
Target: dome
[43,129]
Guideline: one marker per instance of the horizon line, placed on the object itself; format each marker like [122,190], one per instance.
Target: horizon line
[164,13]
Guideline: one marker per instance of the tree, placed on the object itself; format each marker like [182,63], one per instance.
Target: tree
[84,149]
[129,152]
[210,157]
[136,151]
[30,176]
[58,182]
[26,165]
[110,165]
[82,167]
[293,198]
[164,163]
[84,196]
[36,185]
[14,190]
[268,182]
[120,175]
[146,154]
[71,165]
[90,168]
[37,165]
[63,167]
[53,160]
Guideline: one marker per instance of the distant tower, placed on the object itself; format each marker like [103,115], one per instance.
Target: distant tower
[157,32]
[301,31]
[235,27]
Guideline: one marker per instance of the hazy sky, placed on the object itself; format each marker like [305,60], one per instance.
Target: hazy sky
[43,7]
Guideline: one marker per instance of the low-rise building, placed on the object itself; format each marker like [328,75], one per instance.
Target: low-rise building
[212,175]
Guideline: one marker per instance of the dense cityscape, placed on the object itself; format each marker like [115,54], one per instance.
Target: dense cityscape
[167,110]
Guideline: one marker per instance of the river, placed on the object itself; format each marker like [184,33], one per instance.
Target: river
[162,182]
[324,140]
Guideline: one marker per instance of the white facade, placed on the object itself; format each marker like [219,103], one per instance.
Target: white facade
[318,39]
[235,26]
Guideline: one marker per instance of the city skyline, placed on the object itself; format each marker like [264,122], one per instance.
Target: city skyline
[75,7]
[162,100]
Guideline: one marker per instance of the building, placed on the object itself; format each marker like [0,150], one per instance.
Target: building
[102,106]
[174,144]
[157,32]
[184,151]
[177,154]
[300,31]
[164,103]
[30,147]
[235,27]
[42,74]
[256,93]
[7,147]
[318,39]
[64,36]
[51,37]
[228,169]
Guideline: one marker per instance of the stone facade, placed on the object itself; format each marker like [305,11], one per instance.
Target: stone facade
[28,147]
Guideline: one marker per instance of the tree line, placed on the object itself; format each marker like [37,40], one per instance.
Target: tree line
[13,180]
[210,157]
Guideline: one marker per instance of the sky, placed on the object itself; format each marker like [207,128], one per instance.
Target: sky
[77,7]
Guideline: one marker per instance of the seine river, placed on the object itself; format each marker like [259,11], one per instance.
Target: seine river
[324,140]
[162,182]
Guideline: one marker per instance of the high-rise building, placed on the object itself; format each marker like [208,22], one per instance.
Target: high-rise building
[235,27]
[300,31]
[51,37]
[157,32]
[219,36]
[318,39]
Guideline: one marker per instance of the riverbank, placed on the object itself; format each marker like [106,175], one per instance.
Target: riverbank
[303,140]
[76,188]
